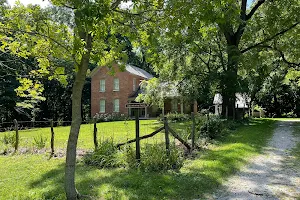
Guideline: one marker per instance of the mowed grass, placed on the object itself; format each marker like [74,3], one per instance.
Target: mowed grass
[119,131]
[36,177]
[296,151]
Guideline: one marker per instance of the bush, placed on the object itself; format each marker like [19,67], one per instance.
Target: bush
[105,156]
[176,117]
[154,158]
[9,139]
[289,115]
[213,128]
[110,117]
[39,141]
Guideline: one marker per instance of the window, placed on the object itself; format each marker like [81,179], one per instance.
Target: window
[102,106]
[102,85]
[134,84]
[116,105]
[116,84]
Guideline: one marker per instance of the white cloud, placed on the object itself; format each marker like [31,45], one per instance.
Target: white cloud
[42,3]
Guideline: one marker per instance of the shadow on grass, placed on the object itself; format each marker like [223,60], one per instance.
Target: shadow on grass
[197,179]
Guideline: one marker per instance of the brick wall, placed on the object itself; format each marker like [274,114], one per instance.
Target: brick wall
[125,85]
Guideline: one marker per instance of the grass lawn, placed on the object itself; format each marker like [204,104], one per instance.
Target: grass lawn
[119,131]
[36,177]
[296,151]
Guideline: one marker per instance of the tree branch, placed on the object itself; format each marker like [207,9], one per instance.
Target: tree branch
[293,64]
[270,38]
[116,4]
[254,9]
[45,37]
[243,10]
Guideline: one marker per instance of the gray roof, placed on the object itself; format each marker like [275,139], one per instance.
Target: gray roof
[242,100]
[138,71]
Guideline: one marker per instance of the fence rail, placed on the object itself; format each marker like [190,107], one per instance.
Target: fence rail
[58,136]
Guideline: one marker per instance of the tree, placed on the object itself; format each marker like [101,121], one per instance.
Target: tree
[232,29]
[74,31]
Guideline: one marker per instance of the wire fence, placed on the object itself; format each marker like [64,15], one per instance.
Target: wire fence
[32,138]
[24,125]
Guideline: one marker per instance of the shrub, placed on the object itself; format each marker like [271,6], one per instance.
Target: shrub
[289,115]
[105,156]
[110,117]
[39,141]
[9,139]
[212,128]
[154,158]
[176,117]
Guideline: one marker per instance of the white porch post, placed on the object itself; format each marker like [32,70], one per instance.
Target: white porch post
[216,109]
[181,106]
[146,112]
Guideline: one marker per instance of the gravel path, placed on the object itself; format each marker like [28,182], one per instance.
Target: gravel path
[269,175]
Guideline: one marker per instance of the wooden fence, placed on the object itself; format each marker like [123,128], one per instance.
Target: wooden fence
[166,128]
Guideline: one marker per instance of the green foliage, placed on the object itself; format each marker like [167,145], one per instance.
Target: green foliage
[176,117]
[9,139]
[39,141]
[110,117]
[154,158]
[154,92]
[106,155]
[215,127]
[289,115]
[212,128]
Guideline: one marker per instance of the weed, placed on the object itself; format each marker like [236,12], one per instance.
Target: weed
[9,139]
[39,141]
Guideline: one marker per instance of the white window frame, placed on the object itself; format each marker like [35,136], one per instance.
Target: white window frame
[116,86]
[116,105]
[102,111]
[134,84]
[102,83]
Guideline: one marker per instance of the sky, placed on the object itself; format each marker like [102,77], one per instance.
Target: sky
[43,3]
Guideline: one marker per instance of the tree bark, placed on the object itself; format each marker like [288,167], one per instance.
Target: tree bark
[70,188]
[229,81]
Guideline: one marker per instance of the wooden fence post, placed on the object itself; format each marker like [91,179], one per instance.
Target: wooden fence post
[167,136]
[95,134]
[52,137]
[193,130]
[137,136]
[17,135]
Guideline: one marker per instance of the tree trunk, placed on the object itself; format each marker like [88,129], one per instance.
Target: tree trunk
[70,188]
[229,81]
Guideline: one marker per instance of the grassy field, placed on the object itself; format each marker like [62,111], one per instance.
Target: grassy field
[36,177]
[119,131]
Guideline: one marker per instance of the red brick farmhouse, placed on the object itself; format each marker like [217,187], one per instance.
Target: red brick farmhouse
[110,93]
